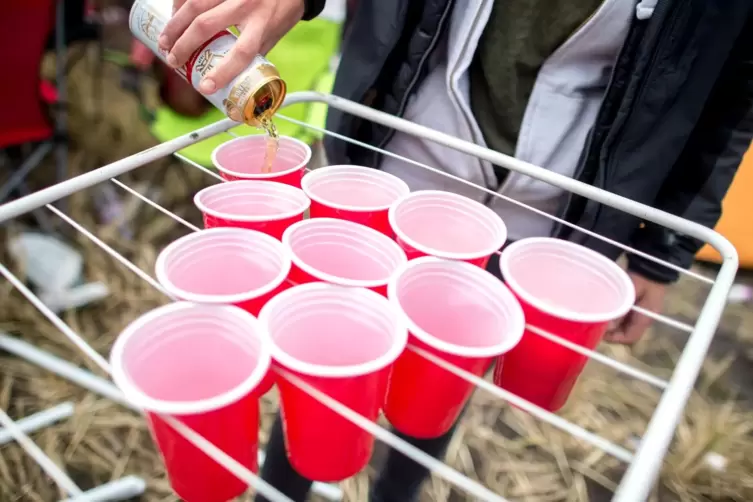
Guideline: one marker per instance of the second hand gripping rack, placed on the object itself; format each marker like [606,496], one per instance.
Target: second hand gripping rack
[644,464]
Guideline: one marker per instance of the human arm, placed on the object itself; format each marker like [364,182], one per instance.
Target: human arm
[262,24]
[700,179]
[694,189]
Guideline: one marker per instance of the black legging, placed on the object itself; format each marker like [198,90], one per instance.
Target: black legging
[399,480]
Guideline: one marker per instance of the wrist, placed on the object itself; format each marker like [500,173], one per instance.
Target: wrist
[651,270]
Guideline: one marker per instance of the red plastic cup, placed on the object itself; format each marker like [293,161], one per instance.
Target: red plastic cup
[459,313]
[230,266]
[343,342]
[447,225]
[354,193]
[256,205]
[243,159]
[342,252]
[569,291]
[226,266]
[200,364]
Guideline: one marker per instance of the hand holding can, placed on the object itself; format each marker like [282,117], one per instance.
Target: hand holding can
[248,89]
[261,22]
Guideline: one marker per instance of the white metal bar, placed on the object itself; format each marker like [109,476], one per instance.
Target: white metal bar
[233,466]
[40,420]
[199,166]
[552,419]
[548,417]
[89,381]
[555,420]
[121,489]
[64,369]
[601,358]
[48,466]
[637,482]
[664,319]
[198,441]
[616,201]
[109,250]
[498,195]
[596,356]
[436,466]
[618,366]
[56,321]
[384,435]
[61,190]
[153,204]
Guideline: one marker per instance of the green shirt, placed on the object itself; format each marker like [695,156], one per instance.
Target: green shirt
[518,38]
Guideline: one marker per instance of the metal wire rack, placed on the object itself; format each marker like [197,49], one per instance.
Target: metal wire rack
[643,464]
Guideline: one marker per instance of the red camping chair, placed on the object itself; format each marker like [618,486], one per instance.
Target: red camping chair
[27,133]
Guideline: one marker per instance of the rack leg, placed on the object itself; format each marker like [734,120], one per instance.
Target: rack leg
[40,457]
[106,389]
[38,421]
[122,489]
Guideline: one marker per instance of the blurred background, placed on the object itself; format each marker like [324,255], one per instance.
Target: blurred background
[98,98]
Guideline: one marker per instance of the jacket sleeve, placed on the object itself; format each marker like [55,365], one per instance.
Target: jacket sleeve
[701,177]
[312,8]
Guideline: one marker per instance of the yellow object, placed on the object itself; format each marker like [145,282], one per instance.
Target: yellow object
[736,223]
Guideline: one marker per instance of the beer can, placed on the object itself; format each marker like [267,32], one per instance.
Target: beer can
[253,96]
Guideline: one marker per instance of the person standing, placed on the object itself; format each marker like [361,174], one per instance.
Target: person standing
[650,99]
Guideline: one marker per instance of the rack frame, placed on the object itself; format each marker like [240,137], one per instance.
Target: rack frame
[645,463]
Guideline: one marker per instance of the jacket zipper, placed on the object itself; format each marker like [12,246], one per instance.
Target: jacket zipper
[667,26]
[558,229]
[421,63]
[365,90]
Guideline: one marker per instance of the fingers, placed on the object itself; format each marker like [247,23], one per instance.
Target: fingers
[637,326]
[285,18]
[193,23]
[615,332]
[177,4]
[630,329]
[239,57]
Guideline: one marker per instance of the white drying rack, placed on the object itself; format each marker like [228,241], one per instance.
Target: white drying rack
[644,463]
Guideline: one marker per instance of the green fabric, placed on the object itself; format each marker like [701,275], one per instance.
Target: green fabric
[517,40]
[302,57]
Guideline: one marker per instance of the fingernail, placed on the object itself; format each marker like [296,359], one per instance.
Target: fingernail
[207,85]
[164,42]
[172,60]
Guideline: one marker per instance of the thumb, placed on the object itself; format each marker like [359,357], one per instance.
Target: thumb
[637,326]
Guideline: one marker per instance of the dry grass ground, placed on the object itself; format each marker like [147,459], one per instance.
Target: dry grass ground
[505,449]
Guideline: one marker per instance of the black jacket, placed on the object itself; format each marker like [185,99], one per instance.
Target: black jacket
[673,127]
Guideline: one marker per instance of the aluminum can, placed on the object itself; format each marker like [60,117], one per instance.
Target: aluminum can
[253,96]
